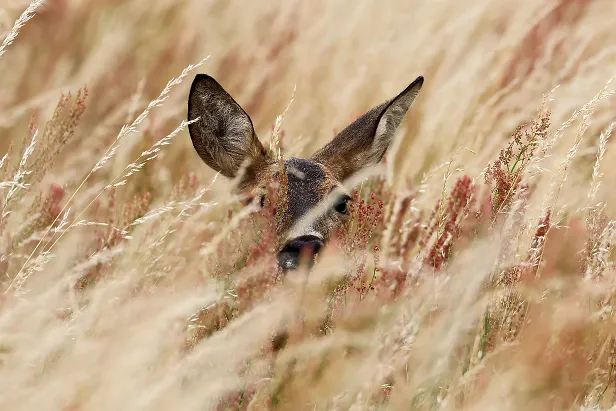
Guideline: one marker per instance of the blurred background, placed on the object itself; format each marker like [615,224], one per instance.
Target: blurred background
[101,316]
[487,66]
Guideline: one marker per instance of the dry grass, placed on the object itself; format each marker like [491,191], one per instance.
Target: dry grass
[476,273]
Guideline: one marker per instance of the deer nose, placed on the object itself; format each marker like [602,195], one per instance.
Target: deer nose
[303,248]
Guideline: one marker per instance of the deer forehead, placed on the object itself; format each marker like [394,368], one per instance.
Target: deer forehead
[307,182]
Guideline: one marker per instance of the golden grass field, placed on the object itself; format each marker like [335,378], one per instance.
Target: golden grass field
[476,272]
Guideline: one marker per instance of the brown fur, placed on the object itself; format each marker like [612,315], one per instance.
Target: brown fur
[225,139]
[365,141]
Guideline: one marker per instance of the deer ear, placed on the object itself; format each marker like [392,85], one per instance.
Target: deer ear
[364,142]
[223,135]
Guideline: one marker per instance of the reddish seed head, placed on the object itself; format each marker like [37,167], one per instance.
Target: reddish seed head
[57,193]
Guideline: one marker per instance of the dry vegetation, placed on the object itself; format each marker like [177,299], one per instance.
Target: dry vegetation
[475,273]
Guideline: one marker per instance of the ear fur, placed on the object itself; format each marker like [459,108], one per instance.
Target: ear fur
[364,142]
[224,136]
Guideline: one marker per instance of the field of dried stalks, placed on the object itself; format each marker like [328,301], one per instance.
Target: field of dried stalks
[475,274]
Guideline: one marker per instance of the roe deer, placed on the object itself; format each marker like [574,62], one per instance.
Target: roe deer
[225,139]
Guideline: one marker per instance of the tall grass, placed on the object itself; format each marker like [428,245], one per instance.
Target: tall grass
[476,272]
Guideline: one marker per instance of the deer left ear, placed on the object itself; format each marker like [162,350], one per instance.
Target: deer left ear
[223,135]
[364,142]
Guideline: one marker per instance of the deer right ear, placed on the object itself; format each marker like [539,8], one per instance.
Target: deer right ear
[223,135]
[364,142]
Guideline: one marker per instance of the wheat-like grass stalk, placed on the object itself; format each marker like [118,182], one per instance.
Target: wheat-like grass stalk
[146,156]
[3,159]
[275,144]
[184,213]
[121,179]
[557,181]
[19,23]
[596,175]
[132,128]
[18,182]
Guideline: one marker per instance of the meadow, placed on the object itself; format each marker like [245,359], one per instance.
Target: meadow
[476,272]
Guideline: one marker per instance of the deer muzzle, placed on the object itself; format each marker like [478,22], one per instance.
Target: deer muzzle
[298,251]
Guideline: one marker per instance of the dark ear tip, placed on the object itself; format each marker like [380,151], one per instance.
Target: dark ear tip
[202,76]
[203,79]
[415,86]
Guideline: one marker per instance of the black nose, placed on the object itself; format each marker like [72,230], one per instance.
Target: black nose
[304,247]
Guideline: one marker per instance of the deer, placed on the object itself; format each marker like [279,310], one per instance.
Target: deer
[224,137]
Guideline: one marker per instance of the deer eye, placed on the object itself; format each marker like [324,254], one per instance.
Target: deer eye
[340,205]
[262,200]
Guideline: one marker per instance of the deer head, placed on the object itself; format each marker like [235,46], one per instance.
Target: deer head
[316,200]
